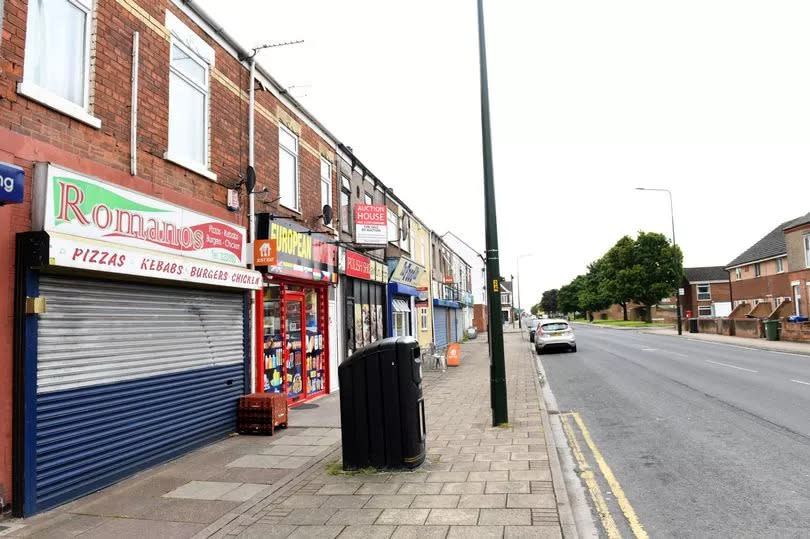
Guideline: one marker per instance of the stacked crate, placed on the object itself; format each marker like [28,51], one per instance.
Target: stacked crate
[261,413]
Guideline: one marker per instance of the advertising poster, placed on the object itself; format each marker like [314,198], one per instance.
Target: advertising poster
[370,224]
[358,326]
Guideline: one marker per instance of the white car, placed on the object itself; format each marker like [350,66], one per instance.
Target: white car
[554,333]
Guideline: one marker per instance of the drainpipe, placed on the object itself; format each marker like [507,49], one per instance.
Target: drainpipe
[252,224]
[133,120]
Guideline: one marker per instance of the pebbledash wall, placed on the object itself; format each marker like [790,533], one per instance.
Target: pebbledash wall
[96,141]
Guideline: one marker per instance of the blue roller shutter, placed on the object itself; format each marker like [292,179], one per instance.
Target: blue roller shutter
[129,375]
[440,326]
[453,325]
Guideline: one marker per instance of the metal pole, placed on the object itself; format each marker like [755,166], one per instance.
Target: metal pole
[519,289]
[497,369]
[675,260]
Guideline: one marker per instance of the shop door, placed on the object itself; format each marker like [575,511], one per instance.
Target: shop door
[440,326]
[453,325]
[128,376]
[294,324]
[333,345]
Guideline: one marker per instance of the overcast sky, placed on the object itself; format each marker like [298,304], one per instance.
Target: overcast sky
[589,99]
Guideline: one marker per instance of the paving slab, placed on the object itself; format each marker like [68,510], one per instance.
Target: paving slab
[403,516]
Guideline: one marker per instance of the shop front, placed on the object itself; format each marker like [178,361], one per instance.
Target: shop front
[131,331]
[294,312]
[445,321]
[365,300]
[402,296]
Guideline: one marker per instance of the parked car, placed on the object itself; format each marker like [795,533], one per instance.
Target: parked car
[531,325]
[554,333]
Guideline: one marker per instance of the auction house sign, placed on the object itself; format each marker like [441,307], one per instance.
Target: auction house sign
[71,204]
[370,225]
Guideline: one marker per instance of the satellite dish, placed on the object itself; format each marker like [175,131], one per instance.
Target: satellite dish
[327,214]
[250,179]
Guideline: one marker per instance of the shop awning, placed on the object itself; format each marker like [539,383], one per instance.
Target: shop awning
[400,306]
[446,303]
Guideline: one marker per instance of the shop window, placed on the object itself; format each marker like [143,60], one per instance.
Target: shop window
[326,183]
[288,167]
[424,323]
[704,292]
[400,324]
[345,204]
[704,311]
[57,56]
[273,341]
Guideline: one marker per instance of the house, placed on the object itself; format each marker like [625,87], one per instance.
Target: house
[761,272]
[797,244]
[706,292]
[506,302]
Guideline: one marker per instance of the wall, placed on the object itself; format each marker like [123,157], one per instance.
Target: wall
[777,285]
[795,248]
[31,132]
[422,237]
[796,332]
[749,327]
[480,317]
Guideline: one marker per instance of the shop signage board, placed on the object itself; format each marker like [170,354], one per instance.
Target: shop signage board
[68,203]
[81,253]
[358,265]
[370,224]
[12,184]
[302,253]
[265,252]
[407,272]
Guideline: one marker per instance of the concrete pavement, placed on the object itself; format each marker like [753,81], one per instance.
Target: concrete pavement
[701,439]
[477,481]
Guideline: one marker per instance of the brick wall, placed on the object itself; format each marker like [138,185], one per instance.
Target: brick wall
[777,285]
[31,132]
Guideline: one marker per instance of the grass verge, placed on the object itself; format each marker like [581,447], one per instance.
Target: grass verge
[632,324]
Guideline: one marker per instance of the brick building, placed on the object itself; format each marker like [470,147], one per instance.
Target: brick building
[176,139]
[706,292]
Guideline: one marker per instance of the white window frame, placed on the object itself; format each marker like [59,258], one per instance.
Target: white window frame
[780,265]
[704,307]
[296,155]
[806,242]
[738,273]
[200,168]
[392,224]
[32,90]
[707,294]
[397,318]
[346,188]
[326,181]
[757,270]
[367,198]
[424,320]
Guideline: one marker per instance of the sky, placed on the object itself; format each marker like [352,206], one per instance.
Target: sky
[588,100]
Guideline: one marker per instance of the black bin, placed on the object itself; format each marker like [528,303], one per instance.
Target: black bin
[693,325]
[382,412]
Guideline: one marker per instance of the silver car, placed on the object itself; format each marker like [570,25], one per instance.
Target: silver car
[554,333]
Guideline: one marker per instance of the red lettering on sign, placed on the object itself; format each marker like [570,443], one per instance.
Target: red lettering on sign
[70,198]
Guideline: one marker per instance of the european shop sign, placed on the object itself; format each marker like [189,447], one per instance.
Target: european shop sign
[75,205]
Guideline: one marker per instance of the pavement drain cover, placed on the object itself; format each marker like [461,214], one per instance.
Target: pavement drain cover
[306,406]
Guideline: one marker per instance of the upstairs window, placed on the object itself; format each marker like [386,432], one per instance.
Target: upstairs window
[738,273]
[188,107]
[288,168]
[393,227]
[326,183]
[704,292]
[757,270]
[806,240]
[57,56]
[345,204]
[780,265]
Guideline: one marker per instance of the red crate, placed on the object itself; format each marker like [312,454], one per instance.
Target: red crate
[261,413]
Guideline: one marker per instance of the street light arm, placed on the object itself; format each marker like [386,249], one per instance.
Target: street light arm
[479,255]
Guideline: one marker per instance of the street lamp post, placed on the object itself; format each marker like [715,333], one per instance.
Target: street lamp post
[674,254]
[497,368]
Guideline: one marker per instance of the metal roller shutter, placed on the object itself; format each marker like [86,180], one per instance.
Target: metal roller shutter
[129,375]
[440,326]
[453,325]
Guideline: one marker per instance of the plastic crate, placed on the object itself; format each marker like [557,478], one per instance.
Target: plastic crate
[261,413]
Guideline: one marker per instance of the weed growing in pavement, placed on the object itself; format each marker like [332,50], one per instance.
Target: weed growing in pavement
[505,426]
[336,468]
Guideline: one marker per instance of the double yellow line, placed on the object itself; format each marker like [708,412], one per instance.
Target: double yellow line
[589,477]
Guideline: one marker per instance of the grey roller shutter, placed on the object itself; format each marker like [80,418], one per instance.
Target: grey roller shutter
[129,375]
[440,326]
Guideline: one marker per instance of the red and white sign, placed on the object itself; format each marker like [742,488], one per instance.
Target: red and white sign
[370,224]
[69,203]
[81,253]
[358,265]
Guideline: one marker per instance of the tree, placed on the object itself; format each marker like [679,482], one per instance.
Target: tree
[536,309]
[549,301]
[593,295]
[654,273]
[619,282]
[568,296]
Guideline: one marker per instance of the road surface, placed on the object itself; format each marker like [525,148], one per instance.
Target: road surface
[703,439]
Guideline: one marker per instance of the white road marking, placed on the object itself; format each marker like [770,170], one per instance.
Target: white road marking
[800,382]
[649,349]
[730,366]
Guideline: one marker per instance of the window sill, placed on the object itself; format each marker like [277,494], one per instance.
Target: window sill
[193,167]
[57,103]
[289,208]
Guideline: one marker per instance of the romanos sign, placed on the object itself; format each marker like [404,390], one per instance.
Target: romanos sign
[75,205]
